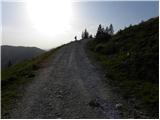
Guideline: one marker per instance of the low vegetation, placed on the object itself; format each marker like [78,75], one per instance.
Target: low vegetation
[15,78]
[131,60]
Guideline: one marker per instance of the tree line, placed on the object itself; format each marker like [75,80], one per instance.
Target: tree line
[85,34]
[101,34]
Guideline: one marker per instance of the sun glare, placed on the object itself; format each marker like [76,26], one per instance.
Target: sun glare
[50,17]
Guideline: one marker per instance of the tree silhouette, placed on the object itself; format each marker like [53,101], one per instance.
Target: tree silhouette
[90,36]
[111,30]
[99,31]
[82,35]
[104,34]
[107,30]
[85,34]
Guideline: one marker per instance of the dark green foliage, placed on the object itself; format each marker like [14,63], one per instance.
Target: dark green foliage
[131,59]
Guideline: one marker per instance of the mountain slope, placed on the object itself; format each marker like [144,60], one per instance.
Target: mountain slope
[131,60]
[13,55]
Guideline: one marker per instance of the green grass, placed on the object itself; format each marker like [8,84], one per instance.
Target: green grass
[131,60]
[15,78]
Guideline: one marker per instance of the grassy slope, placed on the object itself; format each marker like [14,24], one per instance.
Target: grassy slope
[131,60]
[16,78]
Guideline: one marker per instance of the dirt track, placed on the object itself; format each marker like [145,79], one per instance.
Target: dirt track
[68,87]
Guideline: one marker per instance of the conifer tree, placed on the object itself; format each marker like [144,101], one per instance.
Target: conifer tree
[111,31]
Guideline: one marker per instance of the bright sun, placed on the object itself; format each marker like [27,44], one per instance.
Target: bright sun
[50,17]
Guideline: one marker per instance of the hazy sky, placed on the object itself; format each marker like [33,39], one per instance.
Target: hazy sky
[18,30]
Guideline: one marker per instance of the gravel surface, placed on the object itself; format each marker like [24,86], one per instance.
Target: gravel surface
[68,87]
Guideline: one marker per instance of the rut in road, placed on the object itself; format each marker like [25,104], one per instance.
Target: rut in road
[69,87]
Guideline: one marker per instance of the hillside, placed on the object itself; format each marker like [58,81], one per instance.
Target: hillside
[16,78]
[131,60]
[11,55]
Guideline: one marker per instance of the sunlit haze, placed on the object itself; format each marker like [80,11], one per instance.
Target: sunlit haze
[50,23]
[50,16]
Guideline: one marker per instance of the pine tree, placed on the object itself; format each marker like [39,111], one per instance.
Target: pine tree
[111,31]
[99,31]
[85,34]
[104,34]
[107,30]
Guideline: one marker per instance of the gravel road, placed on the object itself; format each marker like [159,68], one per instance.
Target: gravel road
[70,86]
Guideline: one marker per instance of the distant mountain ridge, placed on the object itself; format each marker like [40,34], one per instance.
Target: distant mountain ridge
[11,55]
